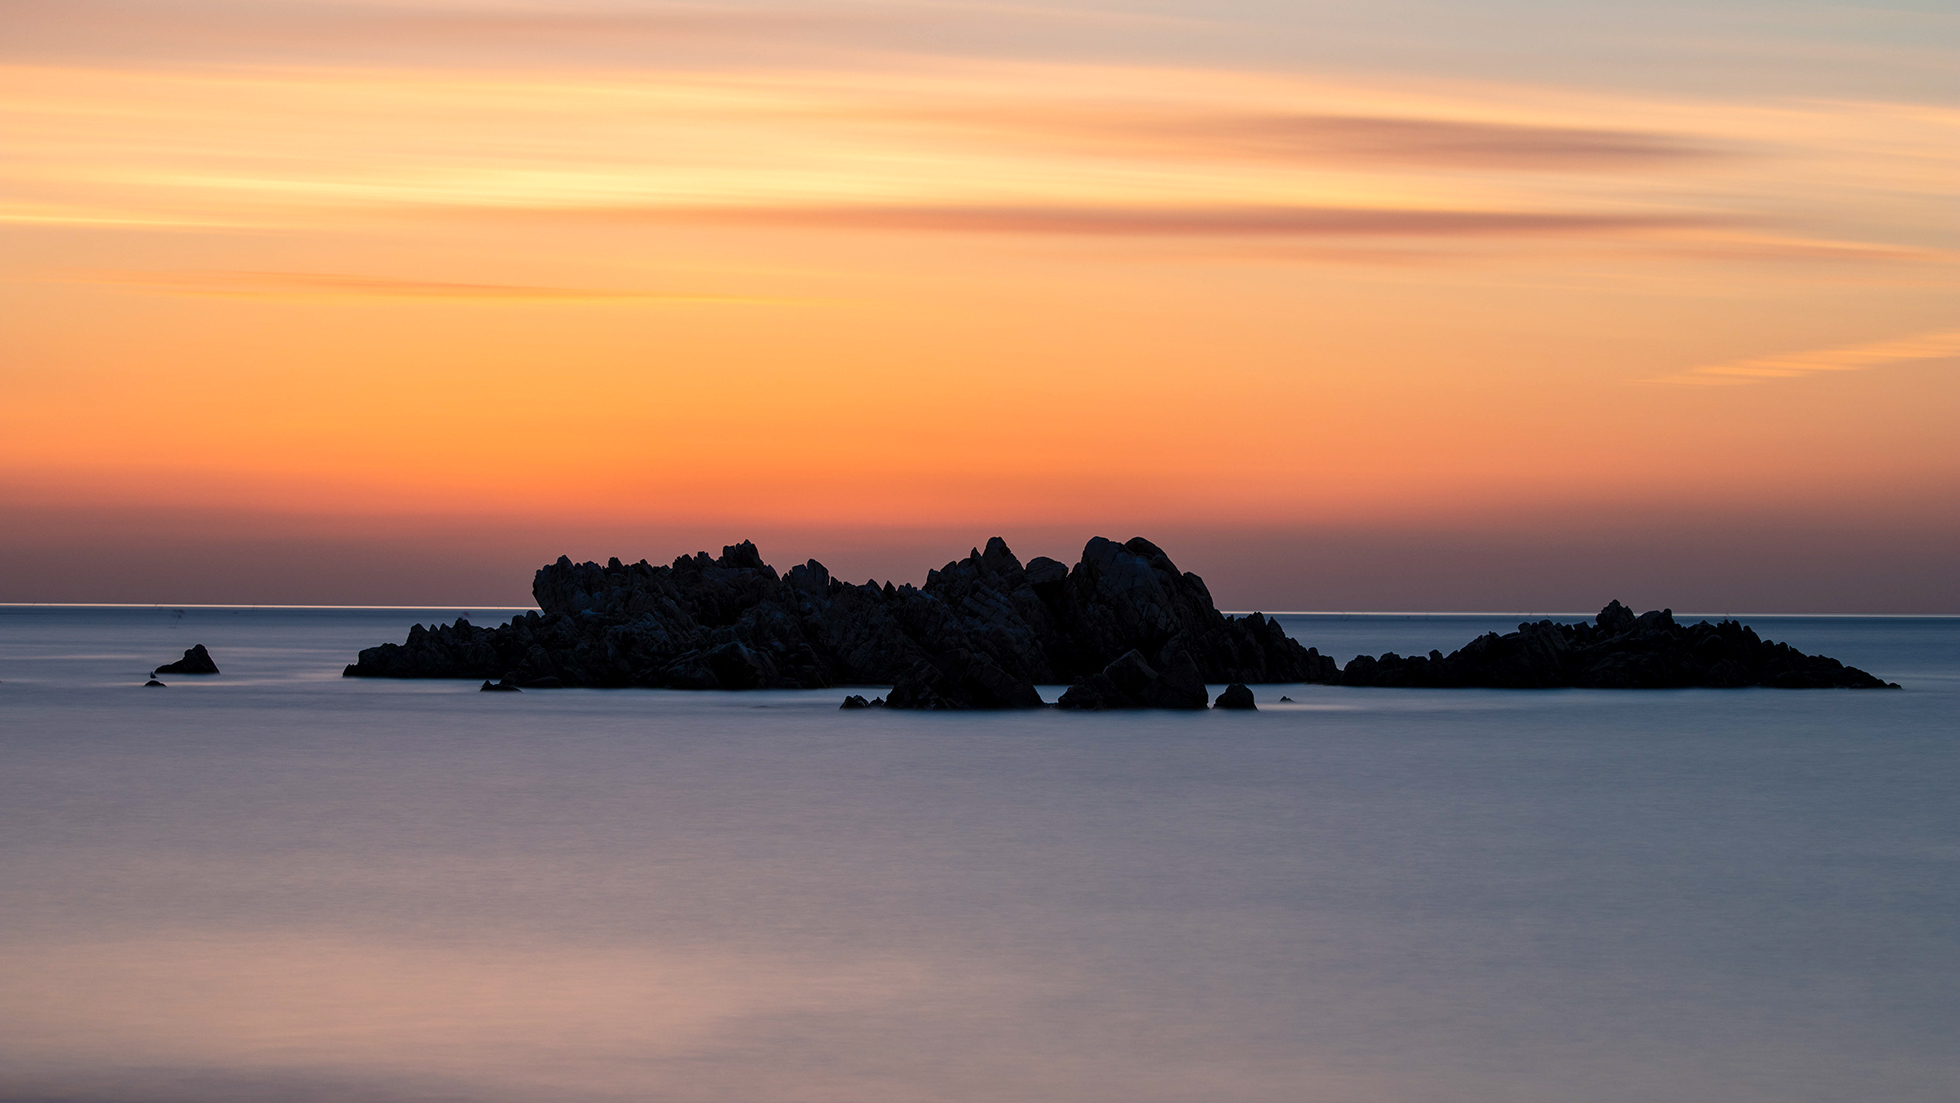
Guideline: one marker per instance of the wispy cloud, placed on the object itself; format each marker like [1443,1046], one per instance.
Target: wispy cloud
[1330,138]
[687,34]
[227,30]
[315,285]
[1182,221]
[1229,159]
[1795,365]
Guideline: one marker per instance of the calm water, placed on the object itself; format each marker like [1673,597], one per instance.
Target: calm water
[279,885]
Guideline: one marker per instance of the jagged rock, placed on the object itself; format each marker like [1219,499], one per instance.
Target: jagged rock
[1615,618]
[1617,651]
[154,684]
[196,660]
[733,622]
[1236,696]
[1131,683]
[1286,700]
[855,701]
[499,687]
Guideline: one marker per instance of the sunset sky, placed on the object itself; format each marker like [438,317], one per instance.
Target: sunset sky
[1447,305]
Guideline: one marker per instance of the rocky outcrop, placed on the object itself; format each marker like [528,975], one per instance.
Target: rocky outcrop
[195,661]
[961,679]
[1130,682]
[980,633]
[1237,697]
[1123,628]
[1617,651]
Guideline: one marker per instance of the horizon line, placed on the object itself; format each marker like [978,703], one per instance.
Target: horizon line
[1227,612]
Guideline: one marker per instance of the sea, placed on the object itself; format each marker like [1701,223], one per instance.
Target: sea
[277,885]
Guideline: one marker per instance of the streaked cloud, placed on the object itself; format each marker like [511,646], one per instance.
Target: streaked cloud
[327,285]
[1335,139]
[1845,358]
[579,33]
[973,147]
[1190,221]
[1742,245]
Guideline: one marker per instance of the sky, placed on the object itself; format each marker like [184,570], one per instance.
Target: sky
[1442,305]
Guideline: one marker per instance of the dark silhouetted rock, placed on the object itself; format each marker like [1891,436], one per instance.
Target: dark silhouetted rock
[195,661]
[1286,700]
[733,622]
[961,679]
[153,683]
[499,687]
[1131,683]
[1617,651]
[1615,618]
[855,701]
[1236,696]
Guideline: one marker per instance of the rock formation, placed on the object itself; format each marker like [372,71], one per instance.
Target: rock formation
[981,633]
[1617,651]
[1132,683]
[1123,628]
[1236,696]
[195,661]
[961,679]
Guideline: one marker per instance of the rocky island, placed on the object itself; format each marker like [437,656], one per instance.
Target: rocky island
[1617,651]
[196,660]
[1123,628]
[981,632]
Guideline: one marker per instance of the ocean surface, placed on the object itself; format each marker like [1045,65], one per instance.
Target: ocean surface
[278,885]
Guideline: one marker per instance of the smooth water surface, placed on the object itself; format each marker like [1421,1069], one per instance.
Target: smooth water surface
[277,884]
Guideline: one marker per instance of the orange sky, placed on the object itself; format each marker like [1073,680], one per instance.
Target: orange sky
[674,270]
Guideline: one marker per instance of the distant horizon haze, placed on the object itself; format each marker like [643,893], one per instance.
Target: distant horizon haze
[1760,564]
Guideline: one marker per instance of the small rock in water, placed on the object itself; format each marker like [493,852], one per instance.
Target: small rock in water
[1236,696]
[1132,683]
[1286,700]
[498,687]
[855,701]
[154,682]
[196,660]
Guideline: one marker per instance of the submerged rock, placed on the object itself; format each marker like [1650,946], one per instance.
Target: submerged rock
[1616,651]
[153,683]
[499,687]
[196,660]
[961,679]
[1236,696]
[1132,683]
